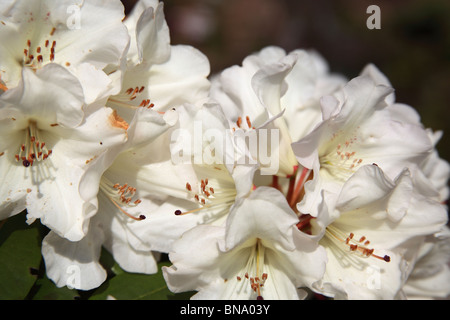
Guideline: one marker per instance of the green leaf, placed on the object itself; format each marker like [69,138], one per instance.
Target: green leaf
[47,290]
[20,256]
[133,286]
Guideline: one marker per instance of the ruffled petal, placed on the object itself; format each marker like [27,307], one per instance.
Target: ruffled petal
[74,264]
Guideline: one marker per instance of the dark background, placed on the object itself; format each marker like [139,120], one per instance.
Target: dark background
[412,47]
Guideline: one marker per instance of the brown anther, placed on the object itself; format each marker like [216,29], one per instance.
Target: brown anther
[188,186]
[248,121]
[52,31]
[239,122]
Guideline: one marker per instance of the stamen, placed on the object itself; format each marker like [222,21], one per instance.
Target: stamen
[121,196]
[33,149]
[357,246]
[43,54]
[207,197]
[256,278]
[341,162]
[239,123]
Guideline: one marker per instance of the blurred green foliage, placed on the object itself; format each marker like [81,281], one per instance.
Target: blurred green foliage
[22,271]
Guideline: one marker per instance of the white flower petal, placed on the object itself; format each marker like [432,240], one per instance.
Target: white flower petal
[51,94]
[251,217]
[117,242]
[74,264]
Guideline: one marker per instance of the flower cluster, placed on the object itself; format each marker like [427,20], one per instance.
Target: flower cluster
[274,179]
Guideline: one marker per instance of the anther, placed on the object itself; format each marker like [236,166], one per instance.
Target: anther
[355,245]
[121,196]
[248,121]
[239,122]
[32,150]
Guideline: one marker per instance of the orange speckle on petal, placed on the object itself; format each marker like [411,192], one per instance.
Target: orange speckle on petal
[117,121]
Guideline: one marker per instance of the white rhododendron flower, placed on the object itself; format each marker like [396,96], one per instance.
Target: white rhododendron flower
[358,128]
[430,277]
[121,206]
[433,170]
[259,254]
[51,143]
[366,236]
[187,177]
[157,75]
[273,179]
[273,90]
[82,36]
